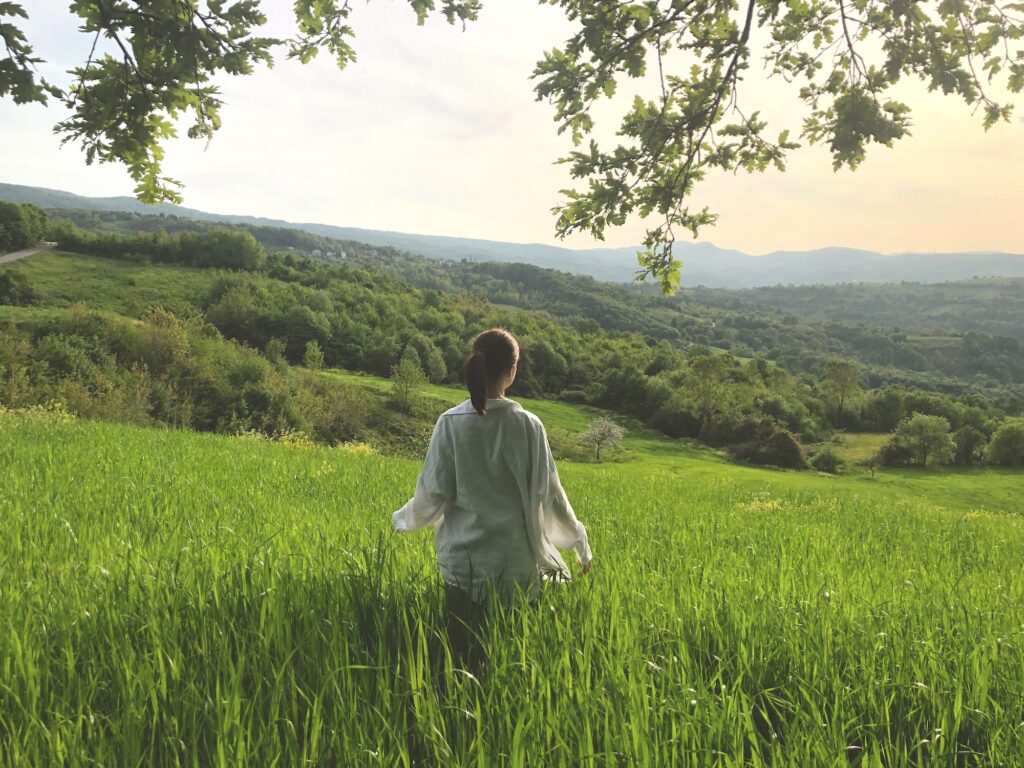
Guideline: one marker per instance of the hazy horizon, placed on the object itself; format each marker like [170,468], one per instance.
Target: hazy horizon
[597,245]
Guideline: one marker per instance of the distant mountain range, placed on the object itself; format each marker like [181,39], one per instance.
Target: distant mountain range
[703,263]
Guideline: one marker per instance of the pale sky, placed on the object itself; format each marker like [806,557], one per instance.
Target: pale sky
[436,131]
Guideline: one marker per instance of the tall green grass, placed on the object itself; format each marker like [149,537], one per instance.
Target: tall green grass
[169,598]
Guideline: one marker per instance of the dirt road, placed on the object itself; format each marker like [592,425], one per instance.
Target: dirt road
[22,254]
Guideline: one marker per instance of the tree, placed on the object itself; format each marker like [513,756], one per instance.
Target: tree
[841,382]
[14,228]
[1007,445]
[406,378]
[842,58]
[884,409]
[969,445]
[925,438]
[275,352]
[313,356]
[602,432]
[707,387]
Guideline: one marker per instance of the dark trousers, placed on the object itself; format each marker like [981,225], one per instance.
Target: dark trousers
[465,622]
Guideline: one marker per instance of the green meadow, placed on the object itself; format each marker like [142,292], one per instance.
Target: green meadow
[173,598]
[170,597]
[982,490]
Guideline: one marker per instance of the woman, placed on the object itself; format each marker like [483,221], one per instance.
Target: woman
[490,487]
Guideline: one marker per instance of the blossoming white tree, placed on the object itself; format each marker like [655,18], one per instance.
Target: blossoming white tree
[602,433]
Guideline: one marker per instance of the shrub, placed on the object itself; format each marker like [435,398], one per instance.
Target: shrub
[827,460]
[779,448]
[15,290]
[1007,446]
[969,445]
[894,454]
[576,396]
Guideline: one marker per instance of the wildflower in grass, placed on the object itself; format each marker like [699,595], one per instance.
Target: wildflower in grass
[358,449]
[293,438]
[761,503]
[51,412]
[251,434]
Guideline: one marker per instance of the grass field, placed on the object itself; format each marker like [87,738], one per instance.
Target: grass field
[859,448]
[170,598]
[650,454]
[117,286]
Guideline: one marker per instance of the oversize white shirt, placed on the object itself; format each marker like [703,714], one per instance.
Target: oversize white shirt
[490,488]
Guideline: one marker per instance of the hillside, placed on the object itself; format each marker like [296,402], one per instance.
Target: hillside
[728,321]
[725,320]
[703,263]
[203,328]
[989,306]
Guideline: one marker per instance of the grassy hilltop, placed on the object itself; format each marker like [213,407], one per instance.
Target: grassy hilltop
[172,597]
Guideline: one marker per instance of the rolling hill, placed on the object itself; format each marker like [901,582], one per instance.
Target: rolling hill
[703,263]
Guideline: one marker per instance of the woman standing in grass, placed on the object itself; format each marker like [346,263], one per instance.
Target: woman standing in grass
[490,487]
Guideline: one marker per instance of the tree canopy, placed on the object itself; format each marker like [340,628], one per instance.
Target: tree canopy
[842,58]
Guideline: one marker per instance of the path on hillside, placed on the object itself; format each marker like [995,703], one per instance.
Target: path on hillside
[23,253]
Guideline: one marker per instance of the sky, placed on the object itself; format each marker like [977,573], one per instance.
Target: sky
[435,130]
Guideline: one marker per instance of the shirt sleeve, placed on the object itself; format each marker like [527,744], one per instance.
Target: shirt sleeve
[559,521]
[435,486]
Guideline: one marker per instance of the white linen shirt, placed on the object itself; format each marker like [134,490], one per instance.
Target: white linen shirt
[490,488]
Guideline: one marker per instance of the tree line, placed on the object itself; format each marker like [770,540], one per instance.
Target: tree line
[962,364]
[291,311]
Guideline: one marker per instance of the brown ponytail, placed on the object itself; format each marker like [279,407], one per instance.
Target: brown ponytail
[476,381]
[493,355]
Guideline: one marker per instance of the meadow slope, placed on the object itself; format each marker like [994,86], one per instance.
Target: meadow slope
[177,598]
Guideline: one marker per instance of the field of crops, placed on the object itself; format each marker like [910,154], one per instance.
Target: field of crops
[173,598]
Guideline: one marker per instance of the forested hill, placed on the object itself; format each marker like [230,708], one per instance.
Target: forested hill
[703,263]
[942,360]
[992,306]
[207,330]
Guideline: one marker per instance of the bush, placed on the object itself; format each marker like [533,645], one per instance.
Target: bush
[15,289]
[969,445]
[576,396]
[894,454]
[340,415]
[827,460]
[1007,446]
[779,448]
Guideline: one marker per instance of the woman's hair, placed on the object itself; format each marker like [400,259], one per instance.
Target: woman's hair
[493,354]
